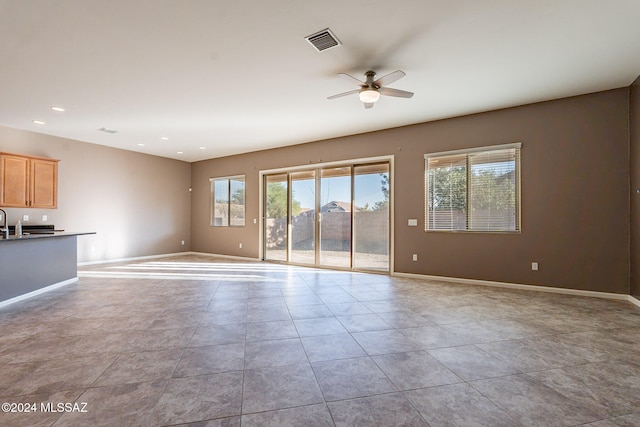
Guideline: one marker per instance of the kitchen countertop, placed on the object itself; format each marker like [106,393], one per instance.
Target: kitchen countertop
[54,257]
[25,236]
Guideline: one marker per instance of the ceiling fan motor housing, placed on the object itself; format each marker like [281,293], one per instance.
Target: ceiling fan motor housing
[370,75]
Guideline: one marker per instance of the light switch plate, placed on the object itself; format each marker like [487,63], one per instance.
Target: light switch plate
[25,218]
[413,223]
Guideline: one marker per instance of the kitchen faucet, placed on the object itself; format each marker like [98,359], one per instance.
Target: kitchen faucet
[5,227]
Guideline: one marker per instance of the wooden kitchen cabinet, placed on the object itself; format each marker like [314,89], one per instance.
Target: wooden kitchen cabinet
[28,182]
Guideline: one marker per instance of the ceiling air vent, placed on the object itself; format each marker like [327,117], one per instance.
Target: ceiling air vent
[323,40]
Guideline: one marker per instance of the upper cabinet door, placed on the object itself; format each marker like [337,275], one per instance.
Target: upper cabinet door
[28,182]
[43,184]
[14,181]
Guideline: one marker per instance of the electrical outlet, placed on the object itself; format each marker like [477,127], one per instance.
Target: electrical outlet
[240,245]
[25,218]
[182,242]
[415,257]
[45,218]
[534,266]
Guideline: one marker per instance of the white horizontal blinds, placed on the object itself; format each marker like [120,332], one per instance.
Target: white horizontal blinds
[476,189]
[493,190]
[446,192]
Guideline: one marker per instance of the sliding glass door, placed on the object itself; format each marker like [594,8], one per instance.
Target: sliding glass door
[303,217]
[334,217]
[371,217]
[276,190]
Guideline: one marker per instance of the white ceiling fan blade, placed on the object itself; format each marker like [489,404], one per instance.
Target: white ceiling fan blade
[387,91]
[340,95]
[351,79]
[368,105]
[389,78]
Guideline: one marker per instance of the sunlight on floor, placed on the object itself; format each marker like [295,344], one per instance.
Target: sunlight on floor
[180,270]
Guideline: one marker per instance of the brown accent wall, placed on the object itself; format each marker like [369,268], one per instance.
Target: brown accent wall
[575,193]
[138,204]
[634,137]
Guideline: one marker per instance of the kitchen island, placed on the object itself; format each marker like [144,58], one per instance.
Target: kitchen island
[33,263]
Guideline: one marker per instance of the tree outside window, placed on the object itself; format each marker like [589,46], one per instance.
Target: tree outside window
[473,190]
[228,201]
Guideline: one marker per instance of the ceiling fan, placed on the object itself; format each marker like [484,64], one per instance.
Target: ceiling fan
[370,89]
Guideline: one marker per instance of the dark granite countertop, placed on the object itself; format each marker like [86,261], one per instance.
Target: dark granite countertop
[26,236]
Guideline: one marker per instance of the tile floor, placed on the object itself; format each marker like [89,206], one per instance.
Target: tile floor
[196,339]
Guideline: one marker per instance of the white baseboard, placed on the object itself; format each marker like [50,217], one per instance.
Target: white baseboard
[577,292]
[37,292]
[109,261]
[634,300]
[140,258]
[239,258]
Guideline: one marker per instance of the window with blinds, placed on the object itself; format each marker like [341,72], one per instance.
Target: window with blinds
[473,190]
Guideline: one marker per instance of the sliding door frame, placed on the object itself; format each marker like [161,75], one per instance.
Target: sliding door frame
[318,166]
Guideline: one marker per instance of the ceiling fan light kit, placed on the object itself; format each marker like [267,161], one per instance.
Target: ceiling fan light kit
[369,95]
[371,90]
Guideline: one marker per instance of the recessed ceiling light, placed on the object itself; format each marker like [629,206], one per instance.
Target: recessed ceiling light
[202,148]
[141,145]
[38,122]
[54,108]
[164,138]
[180,152]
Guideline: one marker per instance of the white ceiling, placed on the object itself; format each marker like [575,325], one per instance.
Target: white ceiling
[239,76]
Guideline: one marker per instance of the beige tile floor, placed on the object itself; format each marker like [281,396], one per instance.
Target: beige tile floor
[209,341]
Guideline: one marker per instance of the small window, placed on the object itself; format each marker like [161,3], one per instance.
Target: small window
[473,190]
[227,201]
